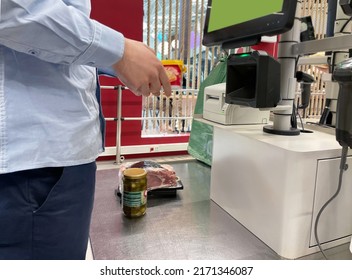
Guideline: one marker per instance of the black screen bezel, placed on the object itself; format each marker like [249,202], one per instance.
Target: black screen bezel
[269,25]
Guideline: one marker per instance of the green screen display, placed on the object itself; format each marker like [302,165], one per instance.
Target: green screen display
[226,13]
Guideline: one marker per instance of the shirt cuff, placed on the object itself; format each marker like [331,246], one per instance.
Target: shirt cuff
[106,49]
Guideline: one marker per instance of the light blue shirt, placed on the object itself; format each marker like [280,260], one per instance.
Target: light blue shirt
[49,52]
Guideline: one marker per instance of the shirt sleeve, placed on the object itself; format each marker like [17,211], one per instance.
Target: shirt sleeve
[56,32]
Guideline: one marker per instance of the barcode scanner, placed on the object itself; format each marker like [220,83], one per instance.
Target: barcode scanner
[305,80]
[343,75]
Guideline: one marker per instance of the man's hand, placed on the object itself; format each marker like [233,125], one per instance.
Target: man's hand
[141,71]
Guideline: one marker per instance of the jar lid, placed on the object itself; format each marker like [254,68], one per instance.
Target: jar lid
[134,173]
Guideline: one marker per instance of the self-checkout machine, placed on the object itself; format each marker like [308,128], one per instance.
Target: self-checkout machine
[273,178]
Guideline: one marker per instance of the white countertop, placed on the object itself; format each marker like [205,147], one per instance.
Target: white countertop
[305,142]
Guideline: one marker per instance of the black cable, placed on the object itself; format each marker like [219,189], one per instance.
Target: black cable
[293,116]
[342,169]
[300,118]
[295,112]
[296,64]
[345,24]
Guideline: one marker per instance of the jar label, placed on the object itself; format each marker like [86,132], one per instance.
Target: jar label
[134,199]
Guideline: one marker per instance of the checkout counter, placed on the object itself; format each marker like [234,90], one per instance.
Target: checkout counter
[275,186]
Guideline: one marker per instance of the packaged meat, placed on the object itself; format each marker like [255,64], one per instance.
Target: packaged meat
[159,176]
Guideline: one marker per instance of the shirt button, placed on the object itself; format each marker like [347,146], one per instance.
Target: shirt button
[33,52]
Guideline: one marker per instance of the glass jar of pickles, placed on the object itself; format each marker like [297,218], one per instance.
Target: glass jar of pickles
[134,195]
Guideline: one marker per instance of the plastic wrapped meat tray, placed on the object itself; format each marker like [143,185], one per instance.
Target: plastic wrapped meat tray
[161,178]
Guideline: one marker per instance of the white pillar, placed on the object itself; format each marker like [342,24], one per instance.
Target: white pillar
[282,118]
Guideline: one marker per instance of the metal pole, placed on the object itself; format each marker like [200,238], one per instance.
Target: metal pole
[118,125]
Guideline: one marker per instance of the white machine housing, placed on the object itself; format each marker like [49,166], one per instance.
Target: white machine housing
[276,185]
[216,110]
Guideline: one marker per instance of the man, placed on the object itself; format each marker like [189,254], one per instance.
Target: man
[51,130]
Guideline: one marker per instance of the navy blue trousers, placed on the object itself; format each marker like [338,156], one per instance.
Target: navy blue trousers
[45,213]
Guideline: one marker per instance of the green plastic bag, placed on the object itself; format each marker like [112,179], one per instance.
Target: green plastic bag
[200,144]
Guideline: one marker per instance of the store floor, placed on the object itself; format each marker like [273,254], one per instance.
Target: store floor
[186,226]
